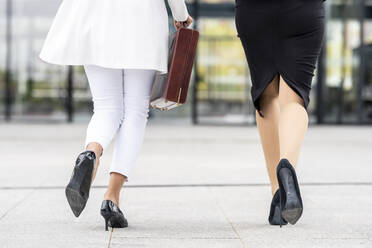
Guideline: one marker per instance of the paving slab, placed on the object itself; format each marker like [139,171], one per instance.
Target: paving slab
[179,243]
[183,213]
[206,155]
[45,220]
[11,199]
[330,218]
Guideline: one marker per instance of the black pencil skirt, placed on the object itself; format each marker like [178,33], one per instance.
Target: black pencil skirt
[281,37]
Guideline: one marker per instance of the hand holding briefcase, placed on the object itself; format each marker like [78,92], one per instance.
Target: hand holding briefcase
[170,90]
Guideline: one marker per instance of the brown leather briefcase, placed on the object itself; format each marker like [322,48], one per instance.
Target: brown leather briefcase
[170,90]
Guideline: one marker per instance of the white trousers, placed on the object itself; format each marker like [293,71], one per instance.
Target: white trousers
[121,105]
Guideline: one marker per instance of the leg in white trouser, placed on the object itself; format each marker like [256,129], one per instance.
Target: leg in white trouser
[137,90]
[106,86]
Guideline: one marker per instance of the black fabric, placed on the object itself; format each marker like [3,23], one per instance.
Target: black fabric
[281,37]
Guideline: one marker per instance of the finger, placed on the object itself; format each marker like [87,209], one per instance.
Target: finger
[185,24]
[189,21]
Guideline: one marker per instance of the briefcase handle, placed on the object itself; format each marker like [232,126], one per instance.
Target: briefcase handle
[184,24]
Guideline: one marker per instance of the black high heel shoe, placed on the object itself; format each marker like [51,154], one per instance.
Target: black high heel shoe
[112,215]
[289,192]
[77,191]
[275,216]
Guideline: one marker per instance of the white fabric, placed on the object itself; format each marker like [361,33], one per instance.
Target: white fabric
[130,34]
[121,104]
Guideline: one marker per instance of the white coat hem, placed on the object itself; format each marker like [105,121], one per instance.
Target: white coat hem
[105,64]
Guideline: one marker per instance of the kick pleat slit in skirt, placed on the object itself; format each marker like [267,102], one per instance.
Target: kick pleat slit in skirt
[281,38]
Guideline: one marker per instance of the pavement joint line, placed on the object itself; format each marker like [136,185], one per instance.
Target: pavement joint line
[369,236]
[220,208]
[32,190]
[175,238]
[110,239]
[188,185]
[332,238]
[16,204]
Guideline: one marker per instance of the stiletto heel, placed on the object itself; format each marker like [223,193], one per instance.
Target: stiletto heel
[112,215]
[275,215]
[291,206]
[77,190]
[280,209]
[106,224]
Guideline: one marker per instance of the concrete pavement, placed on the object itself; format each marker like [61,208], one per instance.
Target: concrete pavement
[192,187]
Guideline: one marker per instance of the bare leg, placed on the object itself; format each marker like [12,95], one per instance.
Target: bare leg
[268,129]
[293,123]
[116,180]
[113,190]
[97,149]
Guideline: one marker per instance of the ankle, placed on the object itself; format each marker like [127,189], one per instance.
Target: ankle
[113,197]
[274,189]
[96,148]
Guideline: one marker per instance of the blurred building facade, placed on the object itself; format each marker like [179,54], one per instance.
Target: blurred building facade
[220,93]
